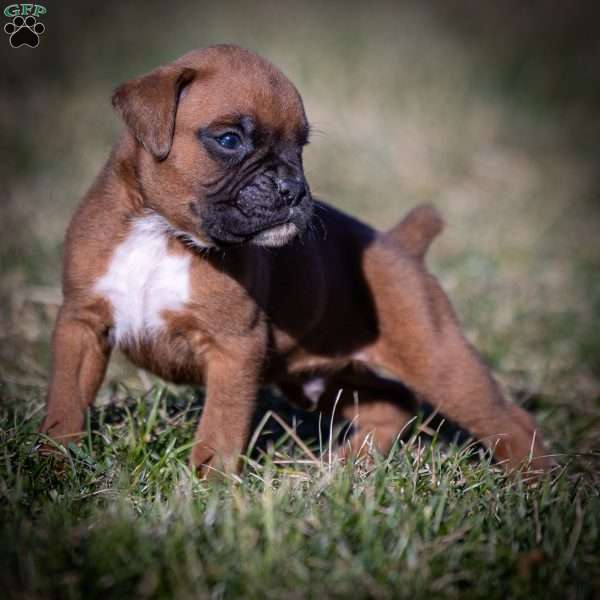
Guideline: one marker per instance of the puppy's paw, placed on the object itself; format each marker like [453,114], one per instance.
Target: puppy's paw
[210,464]
[200,460]
[523,448]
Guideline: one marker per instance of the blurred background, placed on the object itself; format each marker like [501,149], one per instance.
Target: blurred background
[489,110]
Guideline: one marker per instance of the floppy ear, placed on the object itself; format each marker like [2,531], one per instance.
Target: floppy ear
[148,106]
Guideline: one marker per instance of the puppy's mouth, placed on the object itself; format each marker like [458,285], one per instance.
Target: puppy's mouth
[259,215]
[275,236]
[274,233]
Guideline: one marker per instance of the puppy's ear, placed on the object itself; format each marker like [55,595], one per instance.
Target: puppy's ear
[148,106]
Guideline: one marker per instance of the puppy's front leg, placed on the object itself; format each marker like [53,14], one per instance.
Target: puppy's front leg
[80,352]
[231,388]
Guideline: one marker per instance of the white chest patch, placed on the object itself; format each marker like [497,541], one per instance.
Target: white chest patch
[143,280]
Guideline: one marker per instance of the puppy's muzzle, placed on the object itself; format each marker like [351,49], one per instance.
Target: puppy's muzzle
[270,210]
[268,194]
[292,191]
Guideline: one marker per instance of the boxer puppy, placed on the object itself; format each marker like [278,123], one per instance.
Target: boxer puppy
[200,252]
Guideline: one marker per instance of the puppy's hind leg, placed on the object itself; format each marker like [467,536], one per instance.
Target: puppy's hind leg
[378,408]
[421,343]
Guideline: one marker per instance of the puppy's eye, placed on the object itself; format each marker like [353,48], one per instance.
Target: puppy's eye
[229,141]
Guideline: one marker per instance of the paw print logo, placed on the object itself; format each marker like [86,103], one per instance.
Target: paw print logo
[24,32]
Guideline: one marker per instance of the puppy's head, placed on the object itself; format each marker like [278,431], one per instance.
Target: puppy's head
[218,138]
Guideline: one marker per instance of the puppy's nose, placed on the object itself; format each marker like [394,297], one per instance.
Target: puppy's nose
[291,190]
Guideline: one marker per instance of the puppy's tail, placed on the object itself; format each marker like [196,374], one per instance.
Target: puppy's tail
[417,230]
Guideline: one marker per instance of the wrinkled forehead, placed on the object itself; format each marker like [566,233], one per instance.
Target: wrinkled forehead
[232,82]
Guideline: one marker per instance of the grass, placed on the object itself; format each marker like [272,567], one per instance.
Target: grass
[125,518]
[489,113]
